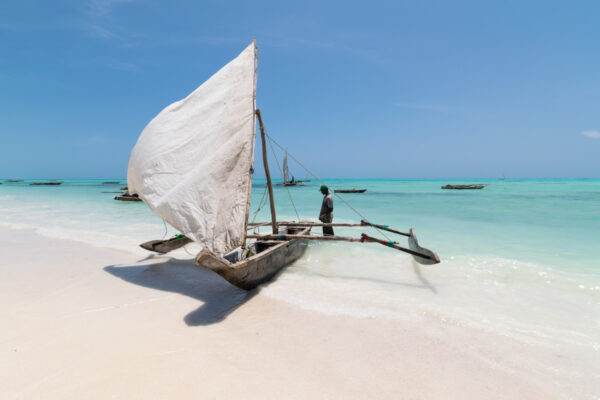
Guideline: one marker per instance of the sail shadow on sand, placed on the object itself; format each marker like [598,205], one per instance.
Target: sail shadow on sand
[219,298]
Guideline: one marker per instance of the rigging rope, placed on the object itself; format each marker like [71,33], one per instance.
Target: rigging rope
[261,203]
[164,234]
[323,183]
[288,190]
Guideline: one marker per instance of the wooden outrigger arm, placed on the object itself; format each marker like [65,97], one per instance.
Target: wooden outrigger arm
[421,255]
[362,223]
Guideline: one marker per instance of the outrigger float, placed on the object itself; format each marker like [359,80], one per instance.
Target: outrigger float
[193,166]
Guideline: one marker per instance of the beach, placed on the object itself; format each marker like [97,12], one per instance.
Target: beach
[209,200]
[88,314]
[83,322]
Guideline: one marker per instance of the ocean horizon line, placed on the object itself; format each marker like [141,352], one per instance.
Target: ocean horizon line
[324,179]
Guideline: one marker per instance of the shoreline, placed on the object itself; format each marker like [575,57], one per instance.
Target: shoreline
[85,322]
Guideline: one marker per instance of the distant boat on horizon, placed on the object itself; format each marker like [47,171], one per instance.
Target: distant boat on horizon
[286,179]
[128,197]
[464,187]
[350,190]
[51,183]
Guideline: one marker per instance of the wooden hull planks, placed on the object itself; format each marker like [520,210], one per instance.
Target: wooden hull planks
[259,268]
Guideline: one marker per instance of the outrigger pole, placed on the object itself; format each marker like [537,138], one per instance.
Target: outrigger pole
[421,254]
[362,223]
[430,257]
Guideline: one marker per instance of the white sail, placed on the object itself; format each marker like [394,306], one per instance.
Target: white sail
[192,164]
[285,169]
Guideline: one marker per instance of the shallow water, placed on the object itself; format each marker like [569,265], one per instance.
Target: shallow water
[519,258]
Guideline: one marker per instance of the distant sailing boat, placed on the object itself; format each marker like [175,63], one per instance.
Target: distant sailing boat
[193,166]
[286,175]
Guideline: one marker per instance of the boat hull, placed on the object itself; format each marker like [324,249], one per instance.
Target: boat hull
[127,198]
[463,187]
[165,246]
[260,268]
[350,190]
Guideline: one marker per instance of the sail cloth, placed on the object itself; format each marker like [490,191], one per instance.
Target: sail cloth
[285,169]
[192,163]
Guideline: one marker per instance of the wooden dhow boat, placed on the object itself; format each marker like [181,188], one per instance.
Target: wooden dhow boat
[128,197]
[193,166]
[350,190]
[463,187]
[51,183]
[286,175]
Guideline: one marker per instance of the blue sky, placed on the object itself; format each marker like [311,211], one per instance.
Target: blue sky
[397,89]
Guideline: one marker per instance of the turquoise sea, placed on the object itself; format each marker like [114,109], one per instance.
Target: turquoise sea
[519,258]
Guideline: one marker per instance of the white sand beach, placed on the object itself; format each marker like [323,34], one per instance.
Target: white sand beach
[234,134]
[91,323]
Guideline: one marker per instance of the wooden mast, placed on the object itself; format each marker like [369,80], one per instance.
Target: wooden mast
[268,175]
[251,171]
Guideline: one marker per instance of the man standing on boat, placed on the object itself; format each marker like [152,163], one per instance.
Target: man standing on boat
[326,214]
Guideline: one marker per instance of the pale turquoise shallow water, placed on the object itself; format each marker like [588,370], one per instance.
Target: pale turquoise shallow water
[551,221]
[519,258]
[556,222]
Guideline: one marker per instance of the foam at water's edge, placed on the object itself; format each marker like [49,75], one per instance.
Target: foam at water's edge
[519,306]
[526,301]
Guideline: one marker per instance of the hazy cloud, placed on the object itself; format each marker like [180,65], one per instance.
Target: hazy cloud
[591,134]
[100,32]
[104,7]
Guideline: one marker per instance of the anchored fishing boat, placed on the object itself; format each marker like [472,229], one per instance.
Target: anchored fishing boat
[128,197]
[286,178]
[51,183]
[350,190]
[463,187]
[193,166]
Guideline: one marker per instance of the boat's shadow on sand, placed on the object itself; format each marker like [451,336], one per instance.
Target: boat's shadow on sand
[219,298]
